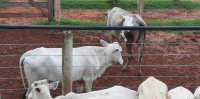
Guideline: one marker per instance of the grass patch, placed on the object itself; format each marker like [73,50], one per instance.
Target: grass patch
[128,4]
[67,21]
[193,22]
[4,0]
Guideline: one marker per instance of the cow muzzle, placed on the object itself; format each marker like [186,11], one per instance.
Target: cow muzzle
[121,61]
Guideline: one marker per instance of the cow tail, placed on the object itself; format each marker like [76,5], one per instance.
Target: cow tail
[21,64]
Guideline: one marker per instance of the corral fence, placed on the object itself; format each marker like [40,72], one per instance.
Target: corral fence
[68,42]
[50,9]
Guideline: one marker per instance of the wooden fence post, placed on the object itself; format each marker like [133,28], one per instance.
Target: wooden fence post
[57,10]
[140,7]
[50,9]
[67,51]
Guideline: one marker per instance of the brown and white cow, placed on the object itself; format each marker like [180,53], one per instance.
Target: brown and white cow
[119,17]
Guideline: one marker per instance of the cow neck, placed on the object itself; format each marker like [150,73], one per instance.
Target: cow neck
[103,59]
[101,55]
[106,58]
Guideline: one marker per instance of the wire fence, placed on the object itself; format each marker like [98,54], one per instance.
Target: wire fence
[11,52]
[176,63]
[168,65]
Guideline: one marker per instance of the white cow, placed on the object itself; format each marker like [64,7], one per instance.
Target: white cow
[197,93]
[119,17]
[116,92]
[152,88]
[89,62]
[41,91]
[180,93]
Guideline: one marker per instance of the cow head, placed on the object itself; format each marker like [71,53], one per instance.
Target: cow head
[126,20]
[135,20]
[40,89]
[113,52]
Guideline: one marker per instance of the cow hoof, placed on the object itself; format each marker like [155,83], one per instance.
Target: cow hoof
[125,69]
[138,74]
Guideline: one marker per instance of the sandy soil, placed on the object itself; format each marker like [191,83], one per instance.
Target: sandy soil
[172,58]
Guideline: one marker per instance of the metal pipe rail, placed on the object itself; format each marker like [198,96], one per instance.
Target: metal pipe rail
[67,27]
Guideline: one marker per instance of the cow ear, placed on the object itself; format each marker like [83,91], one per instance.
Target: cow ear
[38,90]
[120,20]
[105,13]
[53,85]
[104,43]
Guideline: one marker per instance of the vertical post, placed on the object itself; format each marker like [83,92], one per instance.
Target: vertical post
[57,10]
[140,7]
[67,51]
[50,9]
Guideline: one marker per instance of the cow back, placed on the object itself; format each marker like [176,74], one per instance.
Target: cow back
[152,88]
[179,93]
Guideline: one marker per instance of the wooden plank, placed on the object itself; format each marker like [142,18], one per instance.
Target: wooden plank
[38,7]
[21,4]
[17,15]
[50,9]
[57,10]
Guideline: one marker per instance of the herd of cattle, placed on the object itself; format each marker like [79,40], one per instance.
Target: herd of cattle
[151,88]
[90,62]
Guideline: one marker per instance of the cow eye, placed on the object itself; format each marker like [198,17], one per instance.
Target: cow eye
[36,84]
[116,50]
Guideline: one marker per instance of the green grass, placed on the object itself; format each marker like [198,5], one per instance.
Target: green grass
[193,22]
[4,0]
[128,4]
[67,21]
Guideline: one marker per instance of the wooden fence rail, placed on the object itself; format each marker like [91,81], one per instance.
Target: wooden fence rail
[46,8]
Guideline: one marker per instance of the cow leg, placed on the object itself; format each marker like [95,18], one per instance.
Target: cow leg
[112,38]
[88,85]
[140,49]
[129,53]
[79,85]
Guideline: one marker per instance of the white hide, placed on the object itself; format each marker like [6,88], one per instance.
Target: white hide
[110,97]
[179,93]
[116,92]
[152,88]
[89,62]
[197,93]
[41,90]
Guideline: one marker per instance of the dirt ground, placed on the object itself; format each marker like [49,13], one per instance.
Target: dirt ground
[171,58]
